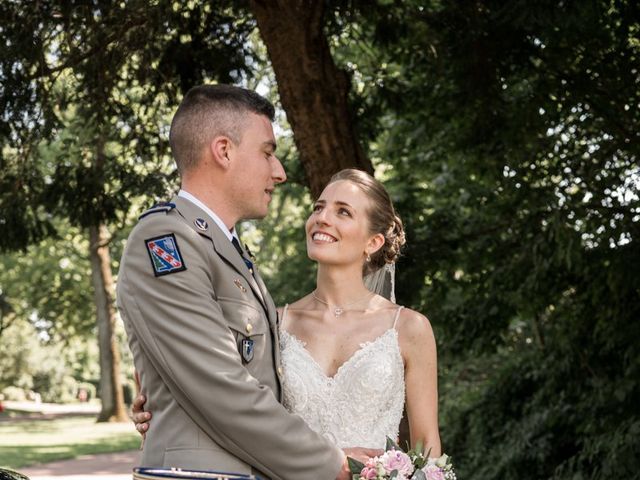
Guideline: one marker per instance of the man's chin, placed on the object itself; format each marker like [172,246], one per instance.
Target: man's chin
[255,215]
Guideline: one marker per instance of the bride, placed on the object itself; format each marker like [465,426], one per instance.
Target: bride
[352,359]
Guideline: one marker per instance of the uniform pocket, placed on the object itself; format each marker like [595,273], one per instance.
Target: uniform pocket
[242,317]
[249,327]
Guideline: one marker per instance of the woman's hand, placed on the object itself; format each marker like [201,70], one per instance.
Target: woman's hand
[139,416]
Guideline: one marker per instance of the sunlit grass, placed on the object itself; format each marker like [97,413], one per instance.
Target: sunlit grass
[27,442]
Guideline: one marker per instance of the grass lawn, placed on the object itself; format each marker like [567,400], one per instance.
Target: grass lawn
[27,442]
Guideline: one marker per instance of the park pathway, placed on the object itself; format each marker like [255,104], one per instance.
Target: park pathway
[104,466]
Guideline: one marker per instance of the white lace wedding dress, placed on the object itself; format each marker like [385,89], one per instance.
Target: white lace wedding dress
[362,404]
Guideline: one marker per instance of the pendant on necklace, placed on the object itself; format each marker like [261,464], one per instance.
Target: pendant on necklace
[337,311]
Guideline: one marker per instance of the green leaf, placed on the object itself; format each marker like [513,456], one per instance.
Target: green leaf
[420,462]
[418,475]
[391,445]
[355,466]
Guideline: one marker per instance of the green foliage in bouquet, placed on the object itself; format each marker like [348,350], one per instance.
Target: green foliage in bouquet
[413,464]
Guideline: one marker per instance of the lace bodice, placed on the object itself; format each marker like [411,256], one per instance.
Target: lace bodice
[361,405]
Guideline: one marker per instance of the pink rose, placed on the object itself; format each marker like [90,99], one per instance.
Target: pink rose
[370,470]
[368,473]
[397,460]
[372,462]
[433,472]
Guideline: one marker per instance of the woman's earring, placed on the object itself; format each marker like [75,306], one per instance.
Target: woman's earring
[368,258]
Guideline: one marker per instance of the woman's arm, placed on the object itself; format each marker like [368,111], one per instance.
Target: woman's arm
[418,346]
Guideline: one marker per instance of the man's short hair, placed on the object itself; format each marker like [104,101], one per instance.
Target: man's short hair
[207,111]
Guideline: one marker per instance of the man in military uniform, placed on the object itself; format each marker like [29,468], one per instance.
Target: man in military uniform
[201,324]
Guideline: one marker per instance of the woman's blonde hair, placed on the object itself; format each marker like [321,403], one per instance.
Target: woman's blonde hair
[381,215]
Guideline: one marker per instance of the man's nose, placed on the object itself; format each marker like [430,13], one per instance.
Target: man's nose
[277,171]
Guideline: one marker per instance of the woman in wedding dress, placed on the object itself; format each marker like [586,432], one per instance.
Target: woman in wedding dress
[350,357]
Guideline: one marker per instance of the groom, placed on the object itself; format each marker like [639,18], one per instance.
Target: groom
[201,325]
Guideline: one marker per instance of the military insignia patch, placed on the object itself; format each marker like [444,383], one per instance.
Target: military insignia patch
[165,255]
[247,350]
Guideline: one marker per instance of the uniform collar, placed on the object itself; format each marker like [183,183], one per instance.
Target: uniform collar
[220,237]
[193,199]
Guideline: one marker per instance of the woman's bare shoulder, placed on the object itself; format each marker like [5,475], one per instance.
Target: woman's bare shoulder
[300,304]
[294,308]
[414,326]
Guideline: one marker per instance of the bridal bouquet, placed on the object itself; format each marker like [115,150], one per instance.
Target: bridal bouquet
[398,465]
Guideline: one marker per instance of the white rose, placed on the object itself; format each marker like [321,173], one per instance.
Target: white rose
[442,461]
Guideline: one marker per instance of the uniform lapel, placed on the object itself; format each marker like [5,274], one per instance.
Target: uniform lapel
[271,308]
[272,316]
[254,280]
[221,245]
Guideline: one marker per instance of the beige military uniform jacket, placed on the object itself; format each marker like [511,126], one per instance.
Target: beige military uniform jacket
[203,332]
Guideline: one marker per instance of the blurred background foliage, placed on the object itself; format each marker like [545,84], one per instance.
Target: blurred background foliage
[507,133]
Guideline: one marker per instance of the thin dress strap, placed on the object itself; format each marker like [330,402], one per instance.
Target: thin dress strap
[284,315]
[395,320]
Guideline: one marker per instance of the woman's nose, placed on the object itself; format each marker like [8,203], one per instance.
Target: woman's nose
[321,216]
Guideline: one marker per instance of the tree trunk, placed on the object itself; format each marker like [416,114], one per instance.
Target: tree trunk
[313,91]
[113,408]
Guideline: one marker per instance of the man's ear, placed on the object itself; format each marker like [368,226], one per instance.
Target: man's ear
[375,243]
[219,149]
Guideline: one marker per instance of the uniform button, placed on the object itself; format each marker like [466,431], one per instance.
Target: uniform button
[249,328]
[280,370]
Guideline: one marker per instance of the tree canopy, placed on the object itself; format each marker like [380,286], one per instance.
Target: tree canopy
[512,133]
[507,133]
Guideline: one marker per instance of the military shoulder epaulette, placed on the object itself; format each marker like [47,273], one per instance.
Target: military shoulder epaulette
[157,208]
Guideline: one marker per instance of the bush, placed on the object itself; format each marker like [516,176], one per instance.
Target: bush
[14,394]
[55,388]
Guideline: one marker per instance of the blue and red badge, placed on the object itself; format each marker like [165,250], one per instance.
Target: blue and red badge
[165,255]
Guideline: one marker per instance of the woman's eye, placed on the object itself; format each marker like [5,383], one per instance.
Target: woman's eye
[317,208]
[344,211]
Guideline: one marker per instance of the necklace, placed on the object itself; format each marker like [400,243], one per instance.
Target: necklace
[337,310]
